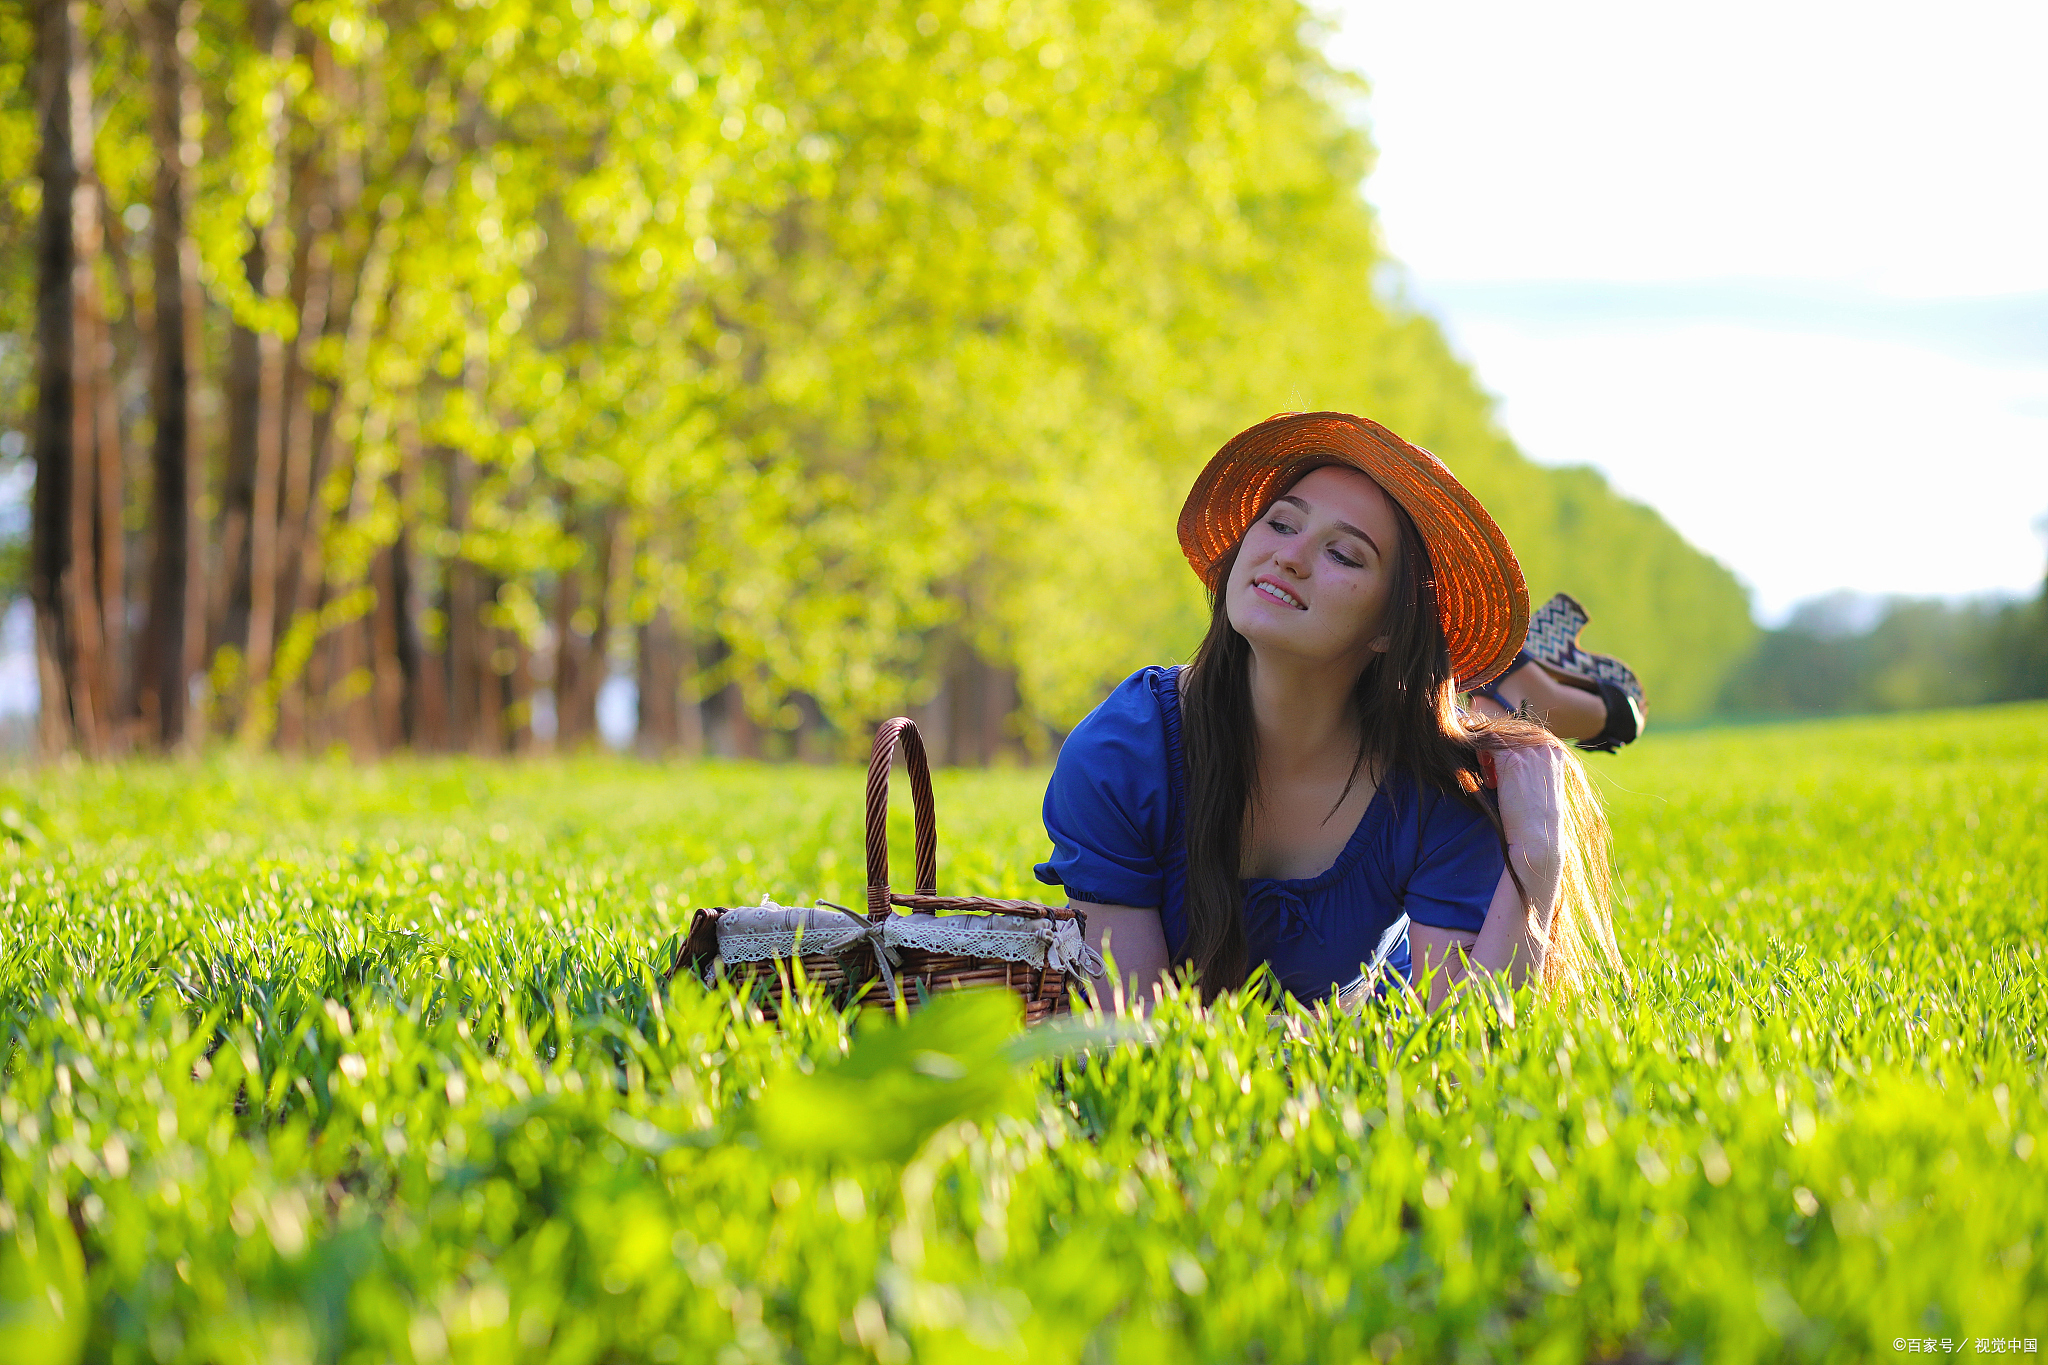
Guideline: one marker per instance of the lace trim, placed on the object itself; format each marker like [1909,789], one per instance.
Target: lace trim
[754,933]
[784,943]
[1008,938]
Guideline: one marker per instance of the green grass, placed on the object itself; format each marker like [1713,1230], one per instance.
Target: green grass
[307,1063]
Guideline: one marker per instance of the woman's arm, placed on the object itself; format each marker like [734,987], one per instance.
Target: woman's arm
[1515,936]
[1517,933]
[1138,941]
[1442,955]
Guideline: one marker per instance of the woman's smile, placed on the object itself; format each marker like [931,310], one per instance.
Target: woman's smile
[1271,588]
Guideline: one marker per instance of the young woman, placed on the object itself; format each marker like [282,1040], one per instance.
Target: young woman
[1307,787]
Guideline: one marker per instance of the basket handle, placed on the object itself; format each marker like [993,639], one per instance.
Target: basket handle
[900,731]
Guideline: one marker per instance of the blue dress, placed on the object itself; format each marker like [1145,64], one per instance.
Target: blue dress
[1115,811]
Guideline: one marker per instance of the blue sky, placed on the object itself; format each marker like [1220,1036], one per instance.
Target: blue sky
[1778,269]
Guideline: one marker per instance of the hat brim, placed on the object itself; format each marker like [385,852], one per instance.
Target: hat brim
[1482,598]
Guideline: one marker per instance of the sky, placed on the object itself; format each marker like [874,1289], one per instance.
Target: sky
[1780,270]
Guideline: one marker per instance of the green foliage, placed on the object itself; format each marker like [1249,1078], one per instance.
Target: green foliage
[20,201]
[877,330]
[1912,655]
[322,1063]
[42,1288]
[954,1059]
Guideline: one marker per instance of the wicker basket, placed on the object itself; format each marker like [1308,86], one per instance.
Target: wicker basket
[944,943]
[762,948]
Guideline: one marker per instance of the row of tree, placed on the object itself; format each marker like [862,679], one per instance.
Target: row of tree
[398,370]
[1845,653]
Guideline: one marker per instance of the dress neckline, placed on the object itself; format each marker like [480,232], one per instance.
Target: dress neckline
[1353,847]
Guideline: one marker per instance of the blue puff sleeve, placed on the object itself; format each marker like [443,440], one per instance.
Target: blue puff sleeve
[1108,808]
[1458,866]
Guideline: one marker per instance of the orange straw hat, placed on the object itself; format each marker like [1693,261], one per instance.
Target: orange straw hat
[1481,597]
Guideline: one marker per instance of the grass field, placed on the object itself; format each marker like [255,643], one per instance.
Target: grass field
[307,1063]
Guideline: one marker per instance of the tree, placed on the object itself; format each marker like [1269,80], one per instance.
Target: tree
[75,558]
[171,653]
[782,355]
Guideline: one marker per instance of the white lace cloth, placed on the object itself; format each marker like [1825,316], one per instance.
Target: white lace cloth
[1009,938]
[757,933]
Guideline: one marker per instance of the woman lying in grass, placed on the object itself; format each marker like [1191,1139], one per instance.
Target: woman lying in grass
[1308,787]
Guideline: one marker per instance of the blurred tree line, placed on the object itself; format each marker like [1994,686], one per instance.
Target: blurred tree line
[1846,653]
[393,372]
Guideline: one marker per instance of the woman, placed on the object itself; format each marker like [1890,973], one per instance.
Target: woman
[1307,785]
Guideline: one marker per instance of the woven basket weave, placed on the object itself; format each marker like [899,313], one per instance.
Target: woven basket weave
[944,943]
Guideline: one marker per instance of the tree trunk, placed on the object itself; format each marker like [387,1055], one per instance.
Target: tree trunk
[314,725]
[172,637]
[467,658]
[614,576]
[387,668]
[813,741]
[62,559]
[489,736]
[998,706]
[424,669]
[114,688]
[729,731]
[467,650]
[274,34]
[745,734]
[296,705]
[99,354]
[228,597]
[519,691]
[975,704]
[658,672]
[302,432]
[574,685]
[50,512]
[344,305]
[308,579]
[689,711]
[351,699]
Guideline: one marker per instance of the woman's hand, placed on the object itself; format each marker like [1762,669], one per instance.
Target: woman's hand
[1531,785]
[1516,933]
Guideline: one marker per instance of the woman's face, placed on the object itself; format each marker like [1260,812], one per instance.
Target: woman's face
[1314,574]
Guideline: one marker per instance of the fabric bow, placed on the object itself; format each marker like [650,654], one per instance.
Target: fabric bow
[1066,951]
[1271,903]
[886,957]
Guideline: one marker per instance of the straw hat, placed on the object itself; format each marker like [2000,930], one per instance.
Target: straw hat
[1481,597]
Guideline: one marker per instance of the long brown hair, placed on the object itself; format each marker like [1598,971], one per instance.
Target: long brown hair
[1408,720]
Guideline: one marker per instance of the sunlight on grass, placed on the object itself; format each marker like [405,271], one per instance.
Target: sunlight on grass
[307,1062]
